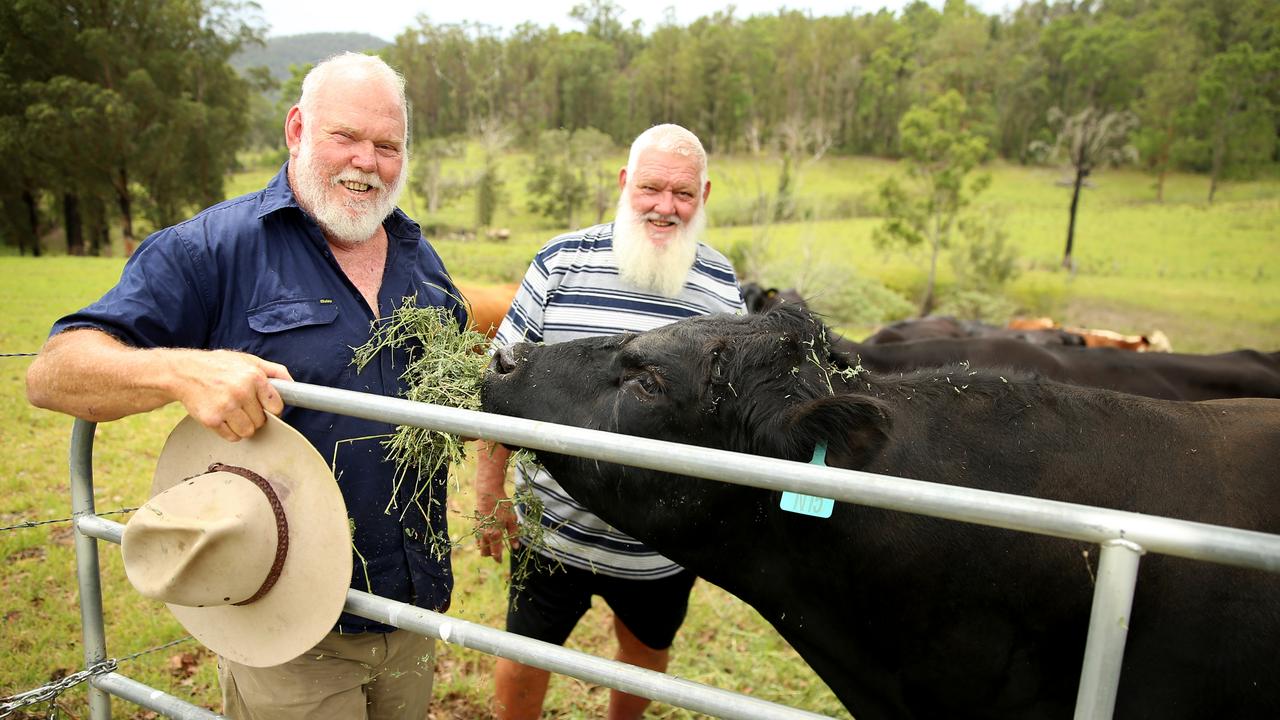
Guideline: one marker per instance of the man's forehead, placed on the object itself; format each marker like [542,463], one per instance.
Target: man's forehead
[358,107]
[654,162]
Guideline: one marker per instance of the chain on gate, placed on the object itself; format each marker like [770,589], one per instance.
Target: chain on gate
[49,692]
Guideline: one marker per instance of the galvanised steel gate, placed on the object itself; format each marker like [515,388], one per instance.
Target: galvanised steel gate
[1124,537]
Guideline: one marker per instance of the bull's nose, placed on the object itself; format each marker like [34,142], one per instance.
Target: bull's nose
[504,361]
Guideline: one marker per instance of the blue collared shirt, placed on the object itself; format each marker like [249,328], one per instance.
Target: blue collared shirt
[255,274]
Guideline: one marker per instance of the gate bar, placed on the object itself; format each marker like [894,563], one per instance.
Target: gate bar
[1167,536]
[1108,629]
[584,666]
[151,698]
[88,577]
[628,678]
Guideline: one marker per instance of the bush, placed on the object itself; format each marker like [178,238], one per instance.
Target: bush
[978,305]
[861,301]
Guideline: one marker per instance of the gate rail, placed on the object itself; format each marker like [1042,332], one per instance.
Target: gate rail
[1123,537]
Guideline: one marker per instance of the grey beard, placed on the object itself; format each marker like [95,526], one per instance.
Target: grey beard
[662,271]
[337,219]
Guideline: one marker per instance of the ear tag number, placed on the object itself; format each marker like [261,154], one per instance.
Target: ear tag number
[810,504]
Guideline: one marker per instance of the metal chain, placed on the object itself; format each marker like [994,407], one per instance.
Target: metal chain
[50,692]
[37,523]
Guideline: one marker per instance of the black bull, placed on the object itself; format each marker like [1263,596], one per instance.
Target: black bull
[907,616]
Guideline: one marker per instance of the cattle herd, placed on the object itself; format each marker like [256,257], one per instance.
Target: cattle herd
[906,616]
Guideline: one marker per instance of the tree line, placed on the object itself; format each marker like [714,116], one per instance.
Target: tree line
[111,108]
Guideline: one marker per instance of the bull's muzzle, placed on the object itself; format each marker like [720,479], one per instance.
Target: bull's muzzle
[504,361]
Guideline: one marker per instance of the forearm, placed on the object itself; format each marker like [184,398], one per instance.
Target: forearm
[491,468]
[93,376]
[496,517]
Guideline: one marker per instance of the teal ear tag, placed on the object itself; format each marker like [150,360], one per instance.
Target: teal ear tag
[810,504]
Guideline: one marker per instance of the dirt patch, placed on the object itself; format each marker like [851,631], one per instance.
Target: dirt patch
[31,553]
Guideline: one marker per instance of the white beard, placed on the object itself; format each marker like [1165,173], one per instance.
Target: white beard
[658,269]
[353,220]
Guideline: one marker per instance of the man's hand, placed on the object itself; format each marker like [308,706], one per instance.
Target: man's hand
[228,392]
[494,509]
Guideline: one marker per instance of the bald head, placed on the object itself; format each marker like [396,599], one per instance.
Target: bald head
[341,73]
[669,138]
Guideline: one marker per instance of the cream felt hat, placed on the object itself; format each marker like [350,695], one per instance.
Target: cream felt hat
[246,542]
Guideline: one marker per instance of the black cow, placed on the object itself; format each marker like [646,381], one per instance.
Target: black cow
[913,617]
[946,326]
[1169,376]
[759,298]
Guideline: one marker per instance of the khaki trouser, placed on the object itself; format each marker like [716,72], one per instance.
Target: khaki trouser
[371,676]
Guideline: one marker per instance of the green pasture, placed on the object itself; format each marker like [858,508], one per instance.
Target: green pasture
[1208,276]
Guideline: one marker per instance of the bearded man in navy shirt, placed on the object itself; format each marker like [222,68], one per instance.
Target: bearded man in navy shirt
[283,283]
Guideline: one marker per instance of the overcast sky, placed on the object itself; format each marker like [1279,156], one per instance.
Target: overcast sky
[386,18]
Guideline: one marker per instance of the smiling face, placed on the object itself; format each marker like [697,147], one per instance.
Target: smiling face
[661,219]
[347,155]
[664,191]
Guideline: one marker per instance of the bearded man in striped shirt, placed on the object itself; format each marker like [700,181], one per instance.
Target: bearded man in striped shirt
[647,268]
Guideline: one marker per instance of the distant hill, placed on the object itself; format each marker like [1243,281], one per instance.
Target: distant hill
[281,52]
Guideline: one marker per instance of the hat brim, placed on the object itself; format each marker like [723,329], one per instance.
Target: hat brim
[305,602]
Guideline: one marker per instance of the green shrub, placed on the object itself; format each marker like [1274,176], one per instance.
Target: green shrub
[861,301]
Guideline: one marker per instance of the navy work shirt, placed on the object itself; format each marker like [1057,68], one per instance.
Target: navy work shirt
[255,274]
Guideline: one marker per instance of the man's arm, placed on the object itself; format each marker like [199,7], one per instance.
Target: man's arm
[492,500]
[91,375]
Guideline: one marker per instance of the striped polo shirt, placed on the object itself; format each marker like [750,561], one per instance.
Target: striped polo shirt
[572,290]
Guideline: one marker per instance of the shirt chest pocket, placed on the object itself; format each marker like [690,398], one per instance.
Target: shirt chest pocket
[283,315]
[306,336]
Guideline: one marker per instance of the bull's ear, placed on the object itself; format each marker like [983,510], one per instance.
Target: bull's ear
[854,427]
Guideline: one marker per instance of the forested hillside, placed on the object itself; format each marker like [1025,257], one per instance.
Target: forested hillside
[278,54]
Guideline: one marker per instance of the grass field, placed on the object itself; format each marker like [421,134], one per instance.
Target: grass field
[1208,276]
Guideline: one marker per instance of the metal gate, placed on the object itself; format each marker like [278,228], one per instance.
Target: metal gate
[1124,537]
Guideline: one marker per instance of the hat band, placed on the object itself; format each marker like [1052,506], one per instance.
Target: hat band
[282,526]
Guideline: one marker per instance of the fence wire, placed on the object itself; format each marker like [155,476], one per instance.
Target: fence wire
[49,692]
[37,523]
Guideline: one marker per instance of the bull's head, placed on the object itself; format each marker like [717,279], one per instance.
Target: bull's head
[762,384]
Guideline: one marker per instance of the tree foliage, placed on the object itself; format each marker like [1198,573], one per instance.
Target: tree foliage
[1236,104]
[941,153]
[1087,140]
[568,175]
[151,80]
[741,83]
[122,106]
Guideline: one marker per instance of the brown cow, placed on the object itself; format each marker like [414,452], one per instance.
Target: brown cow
[487,304]
[1155,342]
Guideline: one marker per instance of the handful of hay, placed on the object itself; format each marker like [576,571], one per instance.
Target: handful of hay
[446,366]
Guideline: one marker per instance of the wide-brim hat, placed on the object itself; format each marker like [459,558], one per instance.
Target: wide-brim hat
[248,543]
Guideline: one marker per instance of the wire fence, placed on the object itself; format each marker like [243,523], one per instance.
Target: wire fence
[49,692]
[37,523]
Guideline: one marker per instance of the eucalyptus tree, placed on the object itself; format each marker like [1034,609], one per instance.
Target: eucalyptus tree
[556,186]
[940,154]
[1088,139]
[1236,103]
[1168,93]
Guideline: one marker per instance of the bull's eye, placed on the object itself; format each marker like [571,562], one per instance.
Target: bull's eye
[644,384]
